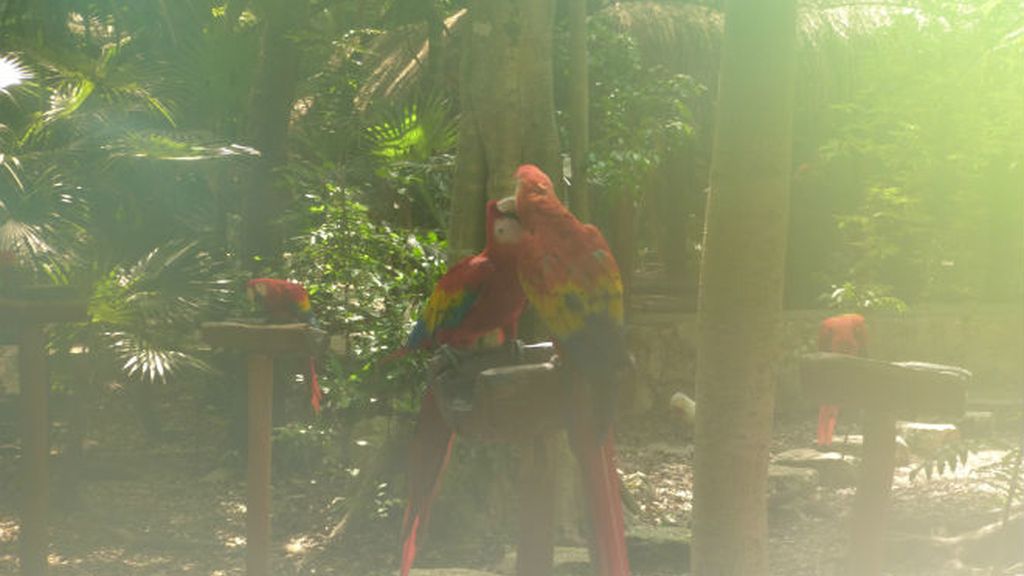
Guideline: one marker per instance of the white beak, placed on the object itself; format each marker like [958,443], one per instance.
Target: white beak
[507,205]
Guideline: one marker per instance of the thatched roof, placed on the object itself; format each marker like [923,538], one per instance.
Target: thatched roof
[681,38]
[678,37]
[401,57]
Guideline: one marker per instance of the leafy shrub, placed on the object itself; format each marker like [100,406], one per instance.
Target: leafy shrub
[365,279]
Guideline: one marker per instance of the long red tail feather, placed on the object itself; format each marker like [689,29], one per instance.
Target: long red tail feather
[315,394]
[595,452]
[428,457]
[604,503]
[827,416]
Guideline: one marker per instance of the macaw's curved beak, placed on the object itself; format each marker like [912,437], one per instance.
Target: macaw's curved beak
[507,205]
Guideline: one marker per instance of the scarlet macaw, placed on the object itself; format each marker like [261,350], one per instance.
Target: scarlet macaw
[570,276]
[479,297]
[842,334]
[286,302]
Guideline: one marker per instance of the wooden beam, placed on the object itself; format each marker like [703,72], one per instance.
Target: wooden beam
[28,313]
[42,310]
[885,391]
[262,342]
[257,517]
[273,339]
[35,446]
[907,389]
[874,487]
[535,555]
[492,395]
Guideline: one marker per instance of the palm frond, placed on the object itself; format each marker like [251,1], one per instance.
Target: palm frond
[398,57]
[413,132]
[176,147]
[151,361]
[116,82]
[40,221]
[146,310]
[12,73]
[171,285]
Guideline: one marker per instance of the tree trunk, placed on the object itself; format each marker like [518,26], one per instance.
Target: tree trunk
[507,119]
[741,288]
[508,109]
[579,109]
[273,93]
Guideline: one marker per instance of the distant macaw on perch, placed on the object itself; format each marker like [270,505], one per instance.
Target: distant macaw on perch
[842,334]
[477,303]
[285,302]
[570,276]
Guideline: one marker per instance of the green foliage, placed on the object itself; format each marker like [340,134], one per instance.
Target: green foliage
[145,313]
[638,111]
[298,449]
[850,297]
[364,278]
[924,157]
[95,194]
[413,149]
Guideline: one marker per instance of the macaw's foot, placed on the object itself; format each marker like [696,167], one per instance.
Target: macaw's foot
[452,378]
[444,362]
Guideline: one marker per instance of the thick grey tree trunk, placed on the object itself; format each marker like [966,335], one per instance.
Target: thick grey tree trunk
[741,288]
[508,109]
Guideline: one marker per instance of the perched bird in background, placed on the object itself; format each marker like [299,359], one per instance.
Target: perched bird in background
[476,304]
[285,302]
[842,334]
[571,278]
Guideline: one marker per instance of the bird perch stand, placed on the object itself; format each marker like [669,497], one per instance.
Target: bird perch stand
[884,391]
[28,315]
[511,394]
[508,394]
[263,343]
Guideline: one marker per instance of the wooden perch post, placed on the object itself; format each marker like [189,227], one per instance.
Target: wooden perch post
[511,394]
[29,316]
[884,391]
[262,343]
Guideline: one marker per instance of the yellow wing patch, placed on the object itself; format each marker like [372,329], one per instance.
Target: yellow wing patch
[440,307]
[565,307]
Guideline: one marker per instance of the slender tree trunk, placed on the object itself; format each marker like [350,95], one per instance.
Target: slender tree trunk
[741,288]
[266,196]
[579,109]
[508,109]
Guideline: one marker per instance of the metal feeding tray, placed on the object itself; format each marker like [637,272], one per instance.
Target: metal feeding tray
[907,389]
[510,394]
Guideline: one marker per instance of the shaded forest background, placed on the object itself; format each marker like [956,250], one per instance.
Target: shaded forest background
[154,155]
[146,145]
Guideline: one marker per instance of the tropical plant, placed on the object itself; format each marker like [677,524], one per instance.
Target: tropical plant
[924,155]
[365,279]
[103,191]
[640,111]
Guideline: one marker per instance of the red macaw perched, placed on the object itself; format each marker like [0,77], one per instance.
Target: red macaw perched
[478,297]
[842,334]
[285,302]
[571,278]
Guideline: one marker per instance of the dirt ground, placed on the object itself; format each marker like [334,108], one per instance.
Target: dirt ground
[177,506]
